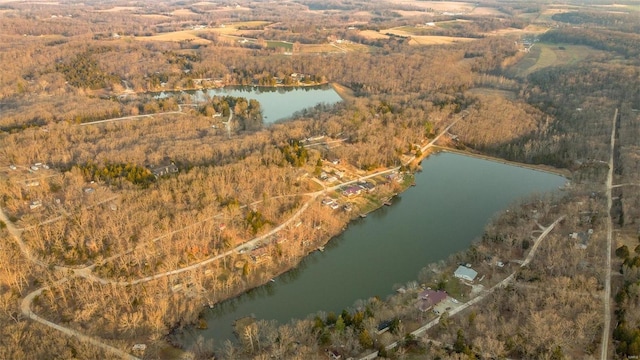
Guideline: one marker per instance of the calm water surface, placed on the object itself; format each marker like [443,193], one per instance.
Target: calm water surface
[454,199]
[278,103]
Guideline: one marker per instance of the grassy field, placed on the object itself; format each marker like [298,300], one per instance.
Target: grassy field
[229,30]
[545,55]
[374,35]
[424,39]
[280,44]
[354,47]
[319,48]
[437,40]
[176,36]
[452,6]
[493,92]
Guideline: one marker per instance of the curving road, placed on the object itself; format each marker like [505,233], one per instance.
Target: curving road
[86,272]
[479,298]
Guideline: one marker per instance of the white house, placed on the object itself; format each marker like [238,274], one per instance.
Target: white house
[465,273]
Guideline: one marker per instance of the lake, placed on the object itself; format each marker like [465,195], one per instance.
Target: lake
[277,103]
[454,199]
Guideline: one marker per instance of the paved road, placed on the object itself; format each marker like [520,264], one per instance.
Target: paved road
[479,298]
[604,351]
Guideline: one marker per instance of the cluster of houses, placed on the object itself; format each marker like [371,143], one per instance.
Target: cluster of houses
[357,189]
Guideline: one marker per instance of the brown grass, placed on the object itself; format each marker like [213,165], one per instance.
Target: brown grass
[484,11]
[452,6]
[373,35]
[427,40]
[183,12]
[176,36]
[318,48]
[545,55]
[120,8]
[493,92]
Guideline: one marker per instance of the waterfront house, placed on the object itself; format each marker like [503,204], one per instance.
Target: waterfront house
[429,298]
[351,191]
[465,273]
[367,186]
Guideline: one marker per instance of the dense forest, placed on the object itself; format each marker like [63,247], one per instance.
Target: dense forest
[124,210]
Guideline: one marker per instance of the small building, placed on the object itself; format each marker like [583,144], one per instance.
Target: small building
[35,204]
[367,186]
[383,326]
[351,191]
[139,347]
[164,170]
[430,298]
[260,254]
[334,354]
[328,201]
[465,273]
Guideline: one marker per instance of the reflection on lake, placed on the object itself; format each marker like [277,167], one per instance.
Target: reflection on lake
[277,103]
[454,199]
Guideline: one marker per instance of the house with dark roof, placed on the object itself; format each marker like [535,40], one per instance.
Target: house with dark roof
[351,190]
[429,298]
[366,186]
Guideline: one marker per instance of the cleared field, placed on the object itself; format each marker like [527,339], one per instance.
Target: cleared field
[437,40]
[228,33]
[409,13]
[231,8]
[450,6]
[508,31]
[176,36]
[120,8]
[545,55]
[545,16]
[409,30]
[427,39]
[319,48]
[374,35]
[486,11]
[183,12]
[236,28]
[354,47]
[280,44]
[493,92]
[248,24]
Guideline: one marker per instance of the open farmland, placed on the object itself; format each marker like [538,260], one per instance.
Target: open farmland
[546,55]
[438,6]
[176,36]
[373,35]
[425,39]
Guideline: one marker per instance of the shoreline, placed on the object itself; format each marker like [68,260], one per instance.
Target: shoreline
[205,88]
[435,149]
[542,168]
